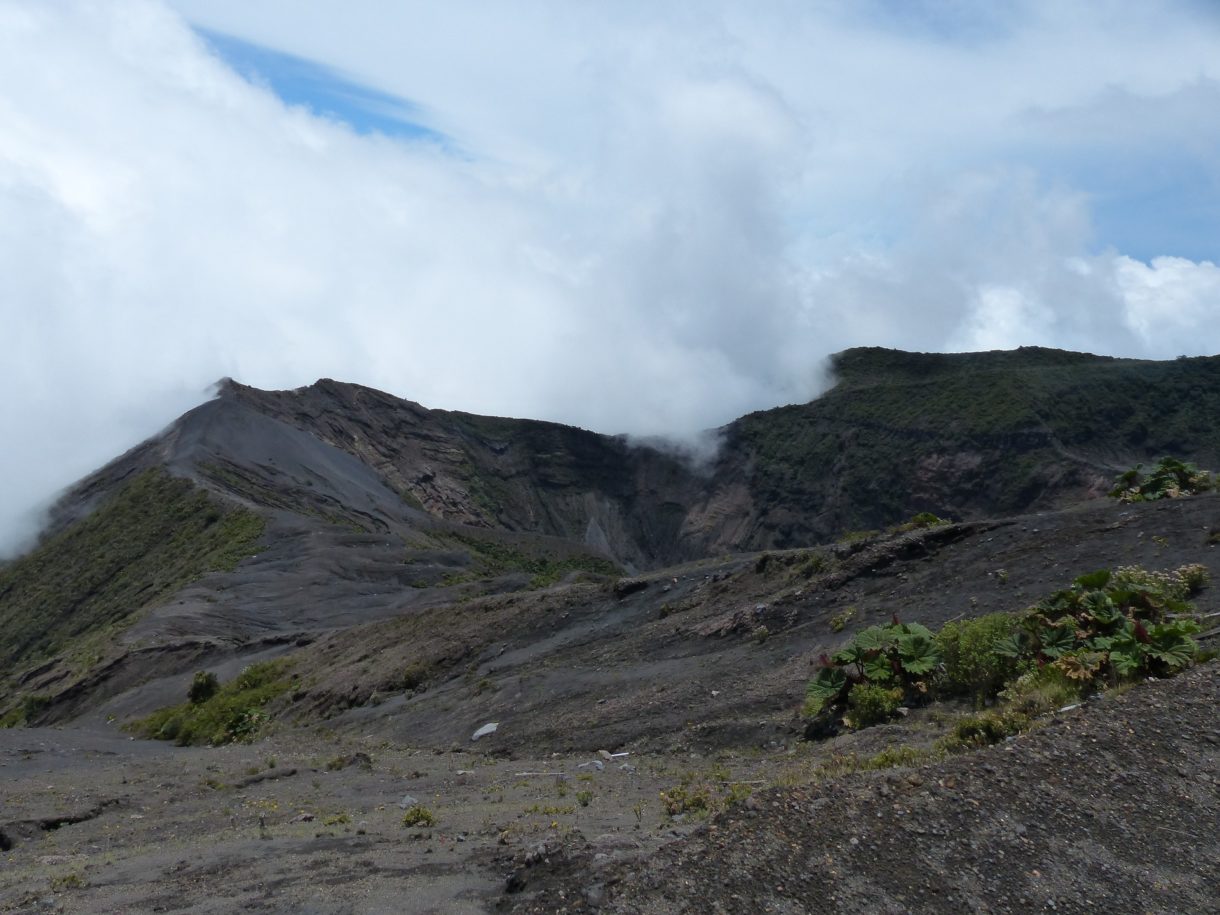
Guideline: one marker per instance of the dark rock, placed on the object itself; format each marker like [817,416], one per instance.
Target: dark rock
[516,882]
[595,895]
[625,586]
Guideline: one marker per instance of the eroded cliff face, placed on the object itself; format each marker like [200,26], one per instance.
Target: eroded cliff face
[515,475]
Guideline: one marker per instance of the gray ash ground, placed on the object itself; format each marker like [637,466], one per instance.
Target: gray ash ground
[1113,806]
[287,825]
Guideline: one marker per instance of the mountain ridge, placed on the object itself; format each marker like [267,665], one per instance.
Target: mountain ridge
[374,505]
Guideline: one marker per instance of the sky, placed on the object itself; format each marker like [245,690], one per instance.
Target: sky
[639,217]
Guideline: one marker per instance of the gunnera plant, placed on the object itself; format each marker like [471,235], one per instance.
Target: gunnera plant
[1170,479]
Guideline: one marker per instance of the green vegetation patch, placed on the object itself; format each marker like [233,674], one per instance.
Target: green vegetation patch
[702,794]
[1106,628]
[417,816]
[151,538]
[232,713]
[1170,479]
[492,558]
[972,666]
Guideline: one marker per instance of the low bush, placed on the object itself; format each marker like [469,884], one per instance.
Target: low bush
[680,799]
[921,521]
[1041,690]
[418,816]
[839,621]
[1112,626]
[203,687]
[870,704]
[702,794]
[414,676]
[985,728]
[972,667]
[234,713]
[901,755]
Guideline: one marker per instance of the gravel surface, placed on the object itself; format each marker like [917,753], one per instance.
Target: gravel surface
[1112,807]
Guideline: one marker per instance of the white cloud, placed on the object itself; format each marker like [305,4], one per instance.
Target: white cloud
[668,214]
[999,315]
[1172,303]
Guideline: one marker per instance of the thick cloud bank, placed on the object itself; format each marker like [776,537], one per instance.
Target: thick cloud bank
[645,218]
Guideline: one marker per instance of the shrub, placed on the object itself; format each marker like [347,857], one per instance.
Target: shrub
[1103,628]
[203,687]
[986,728]
[921,521]
[901,657]
[811,565]
[414,676]
[33,706]
[900,654]
[892,757]
[826,689]
[695,799]
[1195,577]
[737,793]
[869,704]
[971,664]
[418,816]
[839,621]
[1041,690]
[1131,623]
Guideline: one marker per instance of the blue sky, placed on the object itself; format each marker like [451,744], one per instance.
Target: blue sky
[1149,206]
[322,89]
